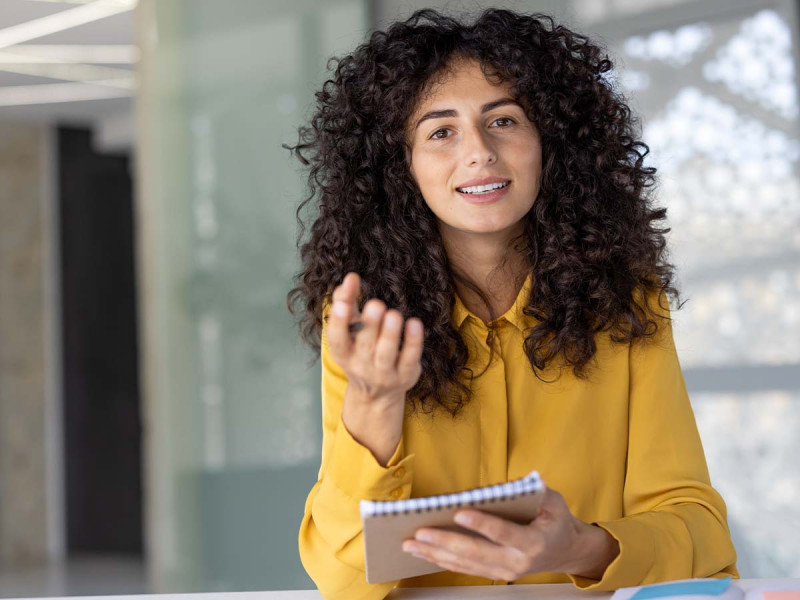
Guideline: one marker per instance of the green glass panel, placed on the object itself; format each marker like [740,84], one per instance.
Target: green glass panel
[232,405]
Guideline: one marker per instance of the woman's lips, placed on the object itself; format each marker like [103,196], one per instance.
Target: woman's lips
[485,198]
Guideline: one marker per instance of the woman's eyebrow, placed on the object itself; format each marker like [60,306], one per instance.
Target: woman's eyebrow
[449,112]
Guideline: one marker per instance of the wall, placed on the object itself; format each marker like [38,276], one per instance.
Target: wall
[29,496]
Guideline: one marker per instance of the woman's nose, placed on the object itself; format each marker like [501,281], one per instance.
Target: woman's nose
[478,149]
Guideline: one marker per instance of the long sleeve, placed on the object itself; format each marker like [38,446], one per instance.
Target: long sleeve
[331,538]
[674,524]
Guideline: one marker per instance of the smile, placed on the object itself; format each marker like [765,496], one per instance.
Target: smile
[486,194]
[483,189]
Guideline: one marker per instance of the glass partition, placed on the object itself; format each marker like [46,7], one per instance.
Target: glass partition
[232,399]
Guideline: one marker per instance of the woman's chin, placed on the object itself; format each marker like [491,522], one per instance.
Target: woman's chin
[488,228]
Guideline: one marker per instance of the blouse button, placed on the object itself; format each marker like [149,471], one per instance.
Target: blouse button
[396,493]
[399,472]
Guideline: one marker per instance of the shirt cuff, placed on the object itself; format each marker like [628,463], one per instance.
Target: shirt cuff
[634,561]
[357,473]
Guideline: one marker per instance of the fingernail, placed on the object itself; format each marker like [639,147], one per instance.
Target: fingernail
[373,311]
[424,536]
[409,547]
[415,327]
[339,308]
[462,519]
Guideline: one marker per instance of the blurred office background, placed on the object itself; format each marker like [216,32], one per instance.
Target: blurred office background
[159,421]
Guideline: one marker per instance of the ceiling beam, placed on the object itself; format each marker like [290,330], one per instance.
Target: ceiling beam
[108,54]
[52,93]
[62,20]
[73,72]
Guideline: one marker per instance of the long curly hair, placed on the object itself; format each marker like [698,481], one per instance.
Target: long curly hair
[591,240]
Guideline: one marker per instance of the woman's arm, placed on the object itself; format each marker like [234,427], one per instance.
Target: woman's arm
[675,524]
[331,540]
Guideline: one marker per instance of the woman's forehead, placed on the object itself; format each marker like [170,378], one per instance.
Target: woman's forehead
[465,71]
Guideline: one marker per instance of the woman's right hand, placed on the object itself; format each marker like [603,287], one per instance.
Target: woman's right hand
[379,372]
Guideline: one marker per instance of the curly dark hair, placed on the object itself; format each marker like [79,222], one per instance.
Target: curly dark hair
[594,252]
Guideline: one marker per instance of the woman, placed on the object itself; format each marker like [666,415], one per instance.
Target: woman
[482,210]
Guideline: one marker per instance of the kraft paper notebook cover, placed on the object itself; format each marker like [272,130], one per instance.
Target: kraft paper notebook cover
[387,524]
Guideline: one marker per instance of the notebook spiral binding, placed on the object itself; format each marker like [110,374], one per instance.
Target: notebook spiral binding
[530,484]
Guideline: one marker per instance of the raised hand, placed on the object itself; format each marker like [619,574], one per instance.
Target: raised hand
[379,371]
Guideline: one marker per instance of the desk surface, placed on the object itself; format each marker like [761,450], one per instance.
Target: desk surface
[561,591]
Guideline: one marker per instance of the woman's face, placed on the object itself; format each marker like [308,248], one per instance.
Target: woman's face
[468,134]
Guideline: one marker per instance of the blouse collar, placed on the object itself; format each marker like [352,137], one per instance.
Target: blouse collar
[513,315]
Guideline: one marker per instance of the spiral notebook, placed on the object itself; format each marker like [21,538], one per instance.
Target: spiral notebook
[388,524]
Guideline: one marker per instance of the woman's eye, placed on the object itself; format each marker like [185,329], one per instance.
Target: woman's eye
[506,121]
[435,135]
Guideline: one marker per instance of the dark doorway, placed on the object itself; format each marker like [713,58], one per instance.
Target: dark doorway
[102,427]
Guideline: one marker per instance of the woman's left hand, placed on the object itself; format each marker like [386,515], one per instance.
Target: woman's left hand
[555,541]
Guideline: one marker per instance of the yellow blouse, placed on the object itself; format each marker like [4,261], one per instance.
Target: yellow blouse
[623,449]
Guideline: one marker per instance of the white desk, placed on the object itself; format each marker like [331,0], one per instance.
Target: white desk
[561,591]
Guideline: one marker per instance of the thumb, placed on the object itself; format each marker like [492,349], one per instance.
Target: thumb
[553,505]
[351,286]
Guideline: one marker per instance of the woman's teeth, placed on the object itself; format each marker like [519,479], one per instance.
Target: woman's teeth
[482,189]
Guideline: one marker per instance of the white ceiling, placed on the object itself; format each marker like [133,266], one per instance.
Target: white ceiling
[69,65]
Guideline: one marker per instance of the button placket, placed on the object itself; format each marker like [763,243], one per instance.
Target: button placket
[494,418]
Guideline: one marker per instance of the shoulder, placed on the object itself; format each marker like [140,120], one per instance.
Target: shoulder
[652,305]
[656,318]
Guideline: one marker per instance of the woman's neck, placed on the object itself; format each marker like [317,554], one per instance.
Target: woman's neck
[490,263]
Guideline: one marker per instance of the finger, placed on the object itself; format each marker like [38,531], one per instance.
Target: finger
[478,551]
[553,501]
[489,572]
[553,507]
[464,546]
[336,330]
[366,338]
[452,564]
[348,290]
[498,530]
[388,342]
[452,561]
[411,352]
[466,569]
